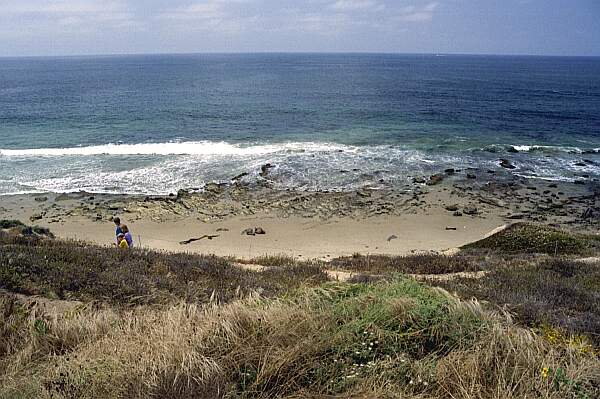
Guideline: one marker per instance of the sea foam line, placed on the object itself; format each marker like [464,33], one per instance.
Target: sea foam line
[176,148]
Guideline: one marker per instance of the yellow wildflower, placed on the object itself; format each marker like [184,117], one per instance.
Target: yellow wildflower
[545,372]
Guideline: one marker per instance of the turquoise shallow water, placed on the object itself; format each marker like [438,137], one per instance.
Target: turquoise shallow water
[154,124]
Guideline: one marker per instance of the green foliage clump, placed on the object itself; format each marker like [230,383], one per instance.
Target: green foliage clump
[528,238]
[355,331]
[9,224]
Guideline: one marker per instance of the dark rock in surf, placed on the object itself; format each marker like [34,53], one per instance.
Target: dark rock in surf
[264,170]
[182,193]
[435,179]
[240,176]
[506,164]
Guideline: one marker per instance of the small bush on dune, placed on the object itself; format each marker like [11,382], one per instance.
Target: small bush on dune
[9,224]
[414,264]
[18,228]
[528,238]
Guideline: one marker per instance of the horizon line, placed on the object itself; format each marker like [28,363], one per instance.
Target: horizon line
[296,52]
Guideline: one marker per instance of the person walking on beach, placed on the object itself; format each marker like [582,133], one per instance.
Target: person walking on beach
[118,224]
[121,242]
[127,235]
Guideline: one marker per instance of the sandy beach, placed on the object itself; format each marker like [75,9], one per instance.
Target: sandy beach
[293,236]
[435,213]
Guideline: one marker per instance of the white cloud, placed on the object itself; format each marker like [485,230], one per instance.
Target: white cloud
[417,14]
[216,16]
[354,5]
[206,10]
[431,6]
[66,15]
[60,7]
[212,23]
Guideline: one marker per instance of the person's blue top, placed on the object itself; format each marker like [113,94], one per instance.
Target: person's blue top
[129,239]
[118,231]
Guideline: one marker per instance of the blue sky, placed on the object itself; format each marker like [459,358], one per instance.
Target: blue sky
[71,27]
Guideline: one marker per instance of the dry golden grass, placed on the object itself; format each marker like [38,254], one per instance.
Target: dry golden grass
[398,339]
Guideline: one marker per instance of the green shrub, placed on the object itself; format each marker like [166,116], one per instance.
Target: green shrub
[528,238]
[9,224]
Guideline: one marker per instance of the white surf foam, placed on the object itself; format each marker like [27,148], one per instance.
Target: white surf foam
[23,192]
[176,148]
[549,148]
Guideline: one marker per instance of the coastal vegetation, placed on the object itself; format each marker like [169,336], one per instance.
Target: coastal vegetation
[484,323]
[531,238]
[58,269]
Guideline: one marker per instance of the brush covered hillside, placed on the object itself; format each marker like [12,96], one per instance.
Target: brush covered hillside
[513,316]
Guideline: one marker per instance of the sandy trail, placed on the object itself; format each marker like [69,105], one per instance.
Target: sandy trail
[344,276]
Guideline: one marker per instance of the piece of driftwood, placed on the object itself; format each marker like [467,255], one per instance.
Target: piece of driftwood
[191,240]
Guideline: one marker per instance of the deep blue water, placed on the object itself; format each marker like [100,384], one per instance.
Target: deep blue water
[158,123]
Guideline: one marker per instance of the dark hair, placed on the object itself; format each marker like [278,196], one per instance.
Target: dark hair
[117,220]
[124,228]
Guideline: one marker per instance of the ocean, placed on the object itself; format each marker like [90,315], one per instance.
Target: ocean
[154,124]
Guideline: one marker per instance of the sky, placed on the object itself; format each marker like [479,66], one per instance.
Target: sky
[81,27]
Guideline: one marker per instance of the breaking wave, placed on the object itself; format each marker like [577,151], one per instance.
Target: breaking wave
[162,168]
[177,148]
